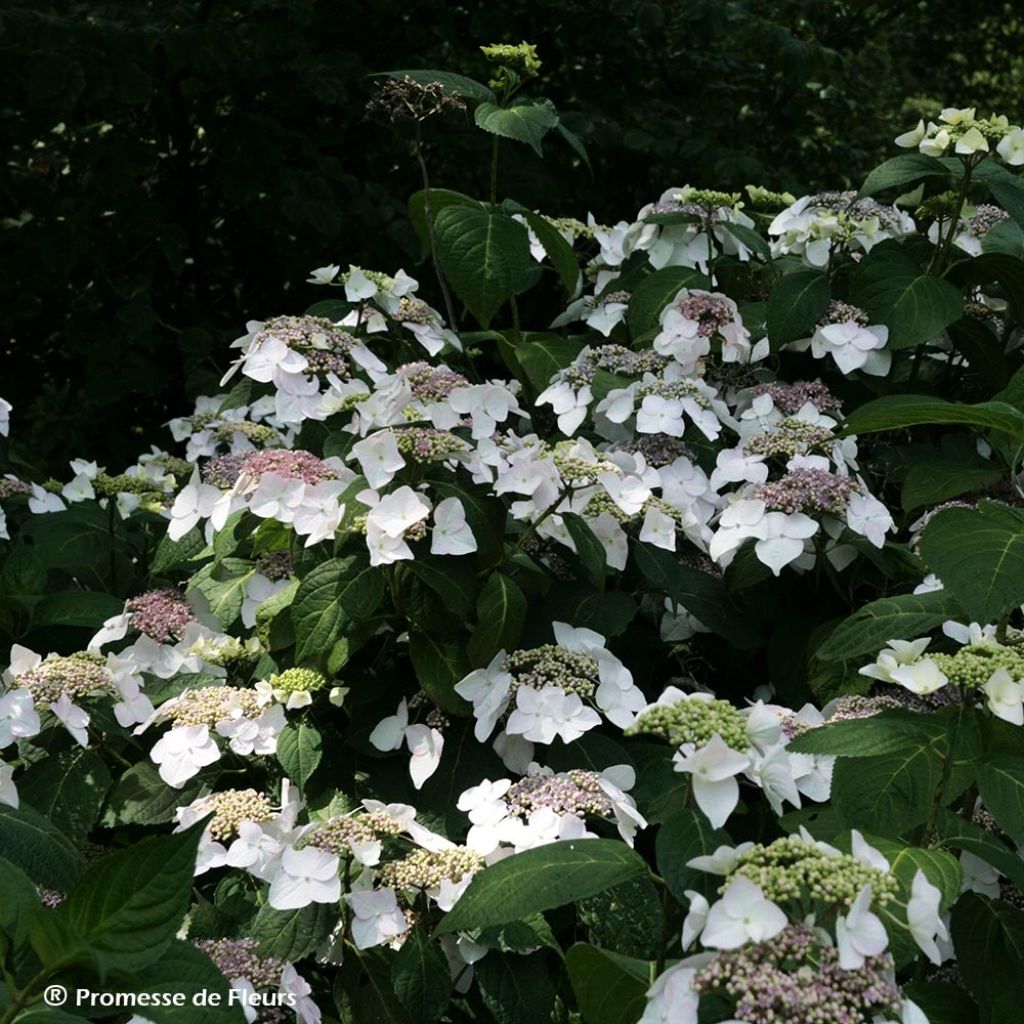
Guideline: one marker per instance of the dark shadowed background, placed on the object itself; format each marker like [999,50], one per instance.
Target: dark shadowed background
[172,169]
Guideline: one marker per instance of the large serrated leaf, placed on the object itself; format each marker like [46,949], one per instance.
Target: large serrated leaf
[979,556]
[541,879]
[889,618]
[485,257]
[523,122]
[893,290]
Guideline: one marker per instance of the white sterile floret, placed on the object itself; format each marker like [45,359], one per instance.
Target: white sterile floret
[742,915]
[1005,696]
[305,876]
[859,933]
[183,752]
[923,917]
[376,917]
[713,769]
[451,534]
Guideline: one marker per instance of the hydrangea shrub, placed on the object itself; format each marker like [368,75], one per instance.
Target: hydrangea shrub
[637,639]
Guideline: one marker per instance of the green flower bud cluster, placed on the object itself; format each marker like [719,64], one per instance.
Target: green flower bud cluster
[519,57]
[790,869]
[233,806]
[210,704]
[173,465]
[709,198]
[577,469]
[425,869]
[349,402]
[339,835]
[602,502]
[787,438]
[973,665]
[258,433]
[576,227]
[693,721]
[766,199]
[298,680]
[413,311]
[74,676]
[107,486]
[378,277]
[551,665]
[939,206]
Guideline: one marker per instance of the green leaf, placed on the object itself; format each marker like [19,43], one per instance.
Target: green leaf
[1005,187]
[76,608]
[323,606]
[558,251]
[141,797]
[420,977]
[988,936]
[223,585]
[942,1002]
[609,988]
[702,595]
[516,989]
[896,411]
[795,305]
[684,835]
[750,238]
[485,257]
[292,934]
[654,293]
[890,732]
[575,144]
[129,905]
[955,831]
[299,749]
[457,85]
[589,549]
[1006,237]
[984,352]
[541,879]
[439,199]
[889,794]
[500,613]
[542,355]
[940,868]
[980,559]
[454,582]
[934,481]
[1006,271]
[440,665]
[19,902]
[183,968]
[626,917]
[901,172]
[523,122]
[67,788]
[893,290]
[1001,785]
[43,852]
[889,618]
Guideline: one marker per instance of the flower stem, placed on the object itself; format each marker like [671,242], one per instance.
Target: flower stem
[429,218]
